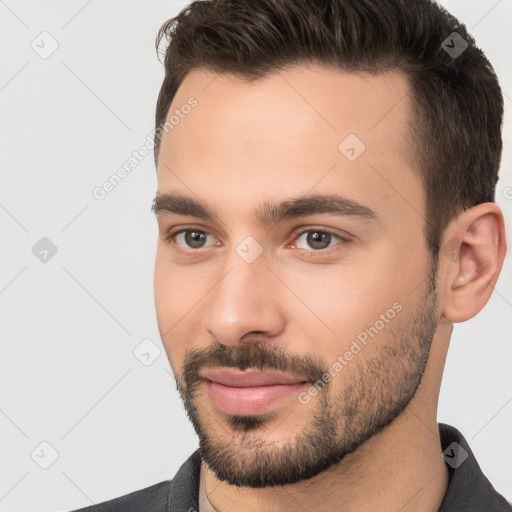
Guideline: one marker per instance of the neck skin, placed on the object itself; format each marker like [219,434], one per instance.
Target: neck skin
[398,469]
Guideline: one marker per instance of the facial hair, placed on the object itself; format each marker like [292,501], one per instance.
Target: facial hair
[380,385]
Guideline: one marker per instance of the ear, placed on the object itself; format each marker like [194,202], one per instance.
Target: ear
[470,260]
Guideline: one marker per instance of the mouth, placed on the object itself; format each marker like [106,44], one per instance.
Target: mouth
[249,392]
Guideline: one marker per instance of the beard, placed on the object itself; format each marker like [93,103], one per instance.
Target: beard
[377,387]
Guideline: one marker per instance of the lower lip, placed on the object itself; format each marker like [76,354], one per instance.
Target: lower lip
[251,400]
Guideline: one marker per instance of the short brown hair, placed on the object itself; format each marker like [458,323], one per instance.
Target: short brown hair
[458,104]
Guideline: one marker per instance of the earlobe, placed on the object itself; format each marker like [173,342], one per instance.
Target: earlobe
[472,257]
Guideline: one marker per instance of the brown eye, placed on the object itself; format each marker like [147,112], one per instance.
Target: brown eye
[195,239]
[189,239]
[317,240]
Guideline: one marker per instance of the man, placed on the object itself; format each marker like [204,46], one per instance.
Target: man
[326,175]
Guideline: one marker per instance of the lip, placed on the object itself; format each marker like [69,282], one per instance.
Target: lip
[249,392]
[248,378]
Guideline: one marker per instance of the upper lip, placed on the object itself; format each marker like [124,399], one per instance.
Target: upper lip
[248,378]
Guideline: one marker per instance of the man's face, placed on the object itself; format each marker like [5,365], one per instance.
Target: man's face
[298,333]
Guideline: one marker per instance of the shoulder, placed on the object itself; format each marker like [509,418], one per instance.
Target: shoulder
[153,498]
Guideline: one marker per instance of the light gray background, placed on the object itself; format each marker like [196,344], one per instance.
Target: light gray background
[70,325]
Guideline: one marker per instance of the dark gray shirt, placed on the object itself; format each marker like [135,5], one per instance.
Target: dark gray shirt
[468,490]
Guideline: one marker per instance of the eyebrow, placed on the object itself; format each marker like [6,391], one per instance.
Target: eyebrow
[268,212]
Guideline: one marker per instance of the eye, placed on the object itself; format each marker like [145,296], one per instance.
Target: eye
[311,240]
[317,240]
[189,238]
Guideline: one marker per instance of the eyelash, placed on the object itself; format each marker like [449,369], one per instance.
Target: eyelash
[171,239]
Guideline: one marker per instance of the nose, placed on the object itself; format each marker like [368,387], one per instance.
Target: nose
[246,299]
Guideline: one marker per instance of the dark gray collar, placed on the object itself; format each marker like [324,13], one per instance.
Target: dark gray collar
[469,489]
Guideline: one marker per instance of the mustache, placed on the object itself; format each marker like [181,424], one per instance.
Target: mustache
[255,355]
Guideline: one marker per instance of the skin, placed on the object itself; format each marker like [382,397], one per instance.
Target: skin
[277,138]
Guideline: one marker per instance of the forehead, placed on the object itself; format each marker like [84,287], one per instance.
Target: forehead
[315,103]
[286,132]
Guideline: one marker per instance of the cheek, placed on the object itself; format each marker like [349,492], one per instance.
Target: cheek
[178,295]
[175,292]
[338,304]
[163,300]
